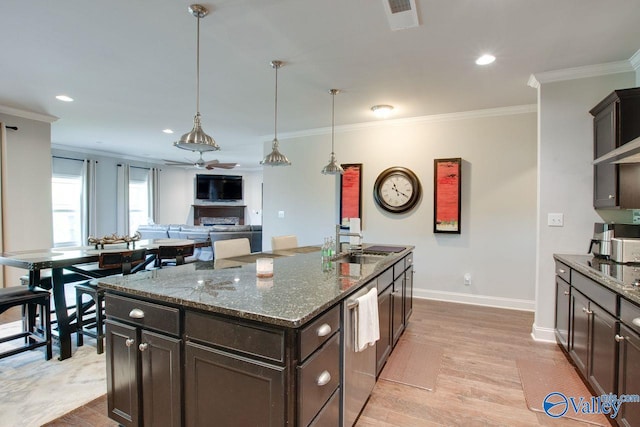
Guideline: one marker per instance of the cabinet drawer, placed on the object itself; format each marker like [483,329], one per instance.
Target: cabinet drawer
[318,378]
[385,279]
[595,292]
[319,331]
[630,314]
[144,314]
[329,416]
[247,338]
[563,271]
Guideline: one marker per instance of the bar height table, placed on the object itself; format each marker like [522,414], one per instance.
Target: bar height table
[71,258]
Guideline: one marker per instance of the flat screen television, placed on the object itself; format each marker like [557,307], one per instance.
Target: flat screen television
[218,188]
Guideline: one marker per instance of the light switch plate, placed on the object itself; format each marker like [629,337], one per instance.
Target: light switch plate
[280,214]
[555,220]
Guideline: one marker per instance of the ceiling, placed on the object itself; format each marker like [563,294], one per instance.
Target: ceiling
[130,65]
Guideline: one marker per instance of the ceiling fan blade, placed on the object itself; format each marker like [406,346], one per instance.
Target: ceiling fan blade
[174,163]
[215,164]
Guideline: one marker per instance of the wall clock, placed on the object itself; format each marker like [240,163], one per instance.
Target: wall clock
[397,190]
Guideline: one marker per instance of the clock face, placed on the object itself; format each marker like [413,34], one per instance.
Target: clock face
[397,190]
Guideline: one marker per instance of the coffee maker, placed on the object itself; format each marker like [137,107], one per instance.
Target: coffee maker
[603,232]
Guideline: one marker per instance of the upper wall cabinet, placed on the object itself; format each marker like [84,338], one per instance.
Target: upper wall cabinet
[616,121]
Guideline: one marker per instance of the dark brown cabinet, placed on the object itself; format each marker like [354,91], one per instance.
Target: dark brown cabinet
[240,393]
[397,297]
[143,375]
[602,361]
[614,124]
[579,348]
[563,307]
[629,375]
[408,290]
[383,346]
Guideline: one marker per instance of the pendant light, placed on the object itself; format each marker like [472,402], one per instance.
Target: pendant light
[197,139]
[333,168]
[275,158]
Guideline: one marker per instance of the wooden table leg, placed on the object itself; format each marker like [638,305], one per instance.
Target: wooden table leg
[64,330]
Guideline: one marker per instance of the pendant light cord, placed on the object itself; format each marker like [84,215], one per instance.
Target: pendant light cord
[198,68]
[333,114]
[275,120]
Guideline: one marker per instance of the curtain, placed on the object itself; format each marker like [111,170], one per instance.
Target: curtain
[89,202]
[3,139]
[122,201]
[154,193]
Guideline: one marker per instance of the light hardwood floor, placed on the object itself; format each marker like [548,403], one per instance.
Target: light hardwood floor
[478,383]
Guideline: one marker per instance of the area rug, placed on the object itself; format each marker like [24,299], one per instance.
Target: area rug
[35,390]
[540,378]
[414,364]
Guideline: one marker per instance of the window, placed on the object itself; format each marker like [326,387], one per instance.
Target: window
[66,197]
[138,198]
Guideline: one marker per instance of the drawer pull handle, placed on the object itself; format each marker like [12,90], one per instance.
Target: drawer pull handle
[136,313]
[323,378]
[619,338]
[584,309]
[636,321]
[566,292]
[323,330]
[561,270]
[129,342]
[611,196]
[143,346]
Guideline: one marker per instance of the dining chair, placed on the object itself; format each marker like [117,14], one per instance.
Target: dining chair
[121,261]
[174,254]
[230,248]
[29,300]
[284,242]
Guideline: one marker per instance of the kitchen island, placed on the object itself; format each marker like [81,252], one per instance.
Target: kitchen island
[202,345]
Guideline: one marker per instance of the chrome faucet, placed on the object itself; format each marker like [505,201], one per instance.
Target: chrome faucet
[353,248]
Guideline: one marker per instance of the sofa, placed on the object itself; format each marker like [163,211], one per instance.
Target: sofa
[203,233]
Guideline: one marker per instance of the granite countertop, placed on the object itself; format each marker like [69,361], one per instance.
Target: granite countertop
[619,278]
[300,288]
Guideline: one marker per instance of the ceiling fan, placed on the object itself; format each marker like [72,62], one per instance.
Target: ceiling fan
[201,164]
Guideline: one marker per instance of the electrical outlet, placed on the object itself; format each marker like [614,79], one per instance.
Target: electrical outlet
[555,220]
[280,214]
[467,279]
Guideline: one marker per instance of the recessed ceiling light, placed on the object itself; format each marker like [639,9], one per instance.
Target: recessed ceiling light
[485,59]
[382,111]
[64,98]
[167,131]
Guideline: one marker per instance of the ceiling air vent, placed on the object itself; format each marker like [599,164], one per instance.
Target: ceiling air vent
[401,14]
[399,5]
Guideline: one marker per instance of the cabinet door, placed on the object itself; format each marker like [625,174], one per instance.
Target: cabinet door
[408,294]
[161,387]
[563,306]
[605,175]
[122,373]
[383,346]
[227,390]
[602,361]
[579,330]
[629,376]
[397,296]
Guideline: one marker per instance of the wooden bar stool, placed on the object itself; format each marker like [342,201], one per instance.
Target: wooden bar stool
[174,254]
[123,261]
[30,300]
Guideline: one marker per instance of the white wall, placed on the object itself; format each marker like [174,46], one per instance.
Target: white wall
[26,181]
[497,244]
[566,178]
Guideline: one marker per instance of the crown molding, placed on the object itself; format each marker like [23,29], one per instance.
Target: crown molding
[635,60]
[447,117]
[582,72]
[27,114]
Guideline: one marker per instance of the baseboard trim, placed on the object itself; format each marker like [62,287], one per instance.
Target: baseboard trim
[543,334]
[498,302]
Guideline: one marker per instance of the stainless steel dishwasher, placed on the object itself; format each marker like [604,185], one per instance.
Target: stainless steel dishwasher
[359,372]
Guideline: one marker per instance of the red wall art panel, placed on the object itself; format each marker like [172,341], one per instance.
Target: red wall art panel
[351,193]
[446,195]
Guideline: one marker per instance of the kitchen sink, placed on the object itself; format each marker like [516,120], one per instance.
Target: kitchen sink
[360,258]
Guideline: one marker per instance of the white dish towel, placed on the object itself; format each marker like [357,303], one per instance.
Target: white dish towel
[367,323]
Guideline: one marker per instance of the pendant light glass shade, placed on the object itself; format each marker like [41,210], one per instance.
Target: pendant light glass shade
[333,168]
[197,139]
[275,158]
